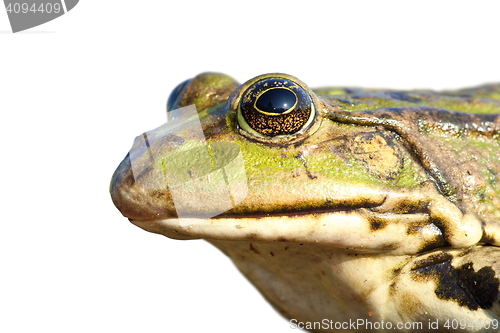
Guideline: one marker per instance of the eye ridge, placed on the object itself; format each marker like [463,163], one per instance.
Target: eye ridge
[268,108]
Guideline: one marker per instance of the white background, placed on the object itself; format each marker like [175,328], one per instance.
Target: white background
[76,91]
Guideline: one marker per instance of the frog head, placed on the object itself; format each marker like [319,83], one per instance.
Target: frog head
[332,212]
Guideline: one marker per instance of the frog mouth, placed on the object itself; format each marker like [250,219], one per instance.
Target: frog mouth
[359,230]
[436,223]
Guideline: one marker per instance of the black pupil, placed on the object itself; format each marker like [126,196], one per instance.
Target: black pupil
[276,100]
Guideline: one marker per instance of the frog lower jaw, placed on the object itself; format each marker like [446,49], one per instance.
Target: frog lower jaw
[360,230]
[354,230]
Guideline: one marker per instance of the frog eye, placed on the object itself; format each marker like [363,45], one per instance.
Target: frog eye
[275,108]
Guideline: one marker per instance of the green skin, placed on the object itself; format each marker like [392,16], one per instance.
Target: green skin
[386,208]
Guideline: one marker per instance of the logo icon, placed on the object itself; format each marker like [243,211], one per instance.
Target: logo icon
[26,14]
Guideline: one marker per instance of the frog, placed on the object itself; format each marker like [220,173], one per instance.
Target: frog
[349,209]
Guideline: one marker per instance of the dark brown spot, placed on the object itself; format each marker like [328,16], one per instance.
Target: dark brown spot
[430,244]
[413,229]
[157,194]
[410,206]
[463,285]
[488,239]
[390,246]
[391,288]
[254,249]
[252,236]
[377,223]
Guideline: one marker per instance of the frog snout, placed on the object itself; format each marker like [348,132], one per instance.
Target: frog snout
[137,202]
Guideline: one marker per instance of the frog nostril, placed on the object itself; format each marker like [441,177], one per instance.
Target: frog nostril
[173,140]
